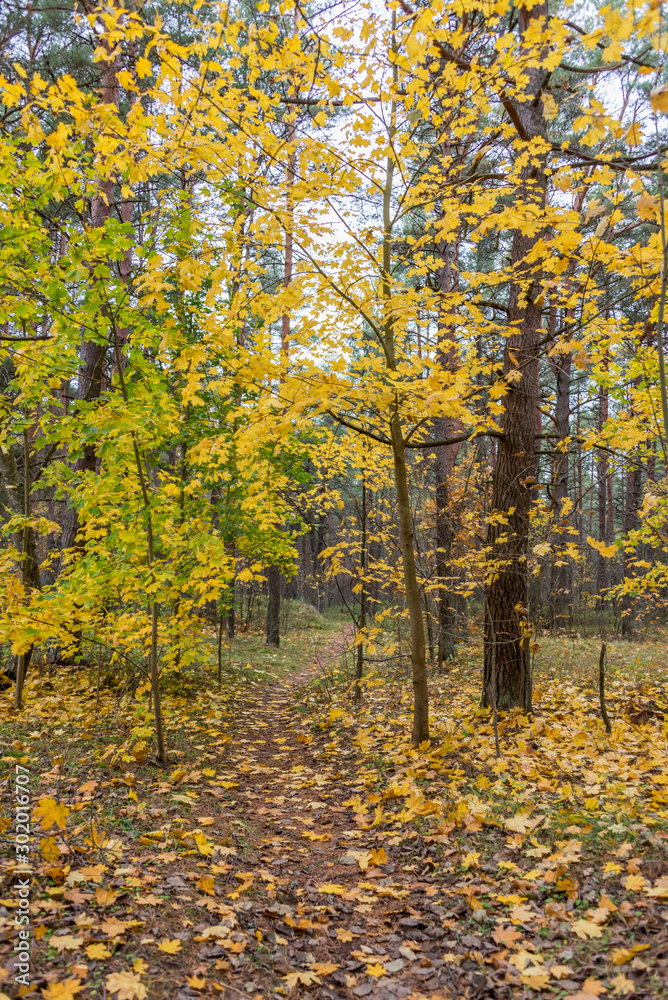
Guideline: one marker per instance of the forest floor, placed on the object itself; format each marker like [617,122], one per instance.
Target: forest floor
[296,846]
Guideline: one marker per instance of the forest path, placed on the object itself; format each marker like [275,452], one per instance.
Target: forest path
[329,911]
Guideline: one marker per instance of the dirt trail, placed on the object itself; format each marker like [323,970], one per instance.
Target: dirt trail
[360,924]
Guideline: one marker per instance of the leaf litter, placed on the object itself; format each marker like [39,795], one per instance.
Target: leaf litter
[297,848]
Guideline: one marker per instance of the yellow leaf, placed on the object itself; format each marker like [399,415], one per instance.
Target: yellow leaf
[170,947]
[376,970]
[204,845]
[550,109]
[623,984]
[51,813]
[606,550]
[127,985]
[560,971]
[343,934]
[105,897]
[520,914]
[472,860]
[535,978]
[294,979]
[634,135]
[379,857]
[324,968]
[66,990]
[634,882]
[196,982]
[98,952]
[587,929]
[65,942]
[206,885]
[594,987]
[331,889]
[658,98]
[315,836]
[646,206]
[519,823]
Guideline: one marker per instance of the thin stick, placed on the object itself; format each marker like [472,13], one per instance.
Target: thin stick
[20,666]
[601,688]
[495,694]
[220,650]
[97,688]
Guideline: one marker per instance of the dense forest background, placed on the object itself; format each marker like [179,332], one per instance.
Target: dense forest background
[360,308]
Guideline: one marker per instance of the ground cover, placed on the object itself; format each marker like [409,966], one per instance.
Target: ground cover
[297,846]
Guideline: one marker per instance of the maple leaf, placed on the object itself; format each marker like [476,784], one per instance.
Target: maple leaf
[594,986]
[315,836]
[170,947]
[659,99]
[646,207]
[105,897]
[379,857]
[343,934]
[113,927]
[536,978]
[376,970]
[204,845]
[196,982]
[65,942]
[127,985]
[634,882]
[65,990]
[324,968]
[506,935]
[521,914]
[98,951]
[294,979]
[332,889]
[586,929]
[472,860]
[622,984]
[560,971]
[206,884]
[51,813]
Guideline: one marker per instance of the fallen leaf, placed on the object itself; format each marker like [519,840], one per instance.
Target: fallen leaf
[294,979]
[98,952]
[586,929]
[65,942]
[127,985]
[170,947]
[195,982]
[623,984]
[66,990]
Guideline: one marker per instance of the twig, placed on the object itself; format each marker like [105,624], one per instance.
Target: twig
[601,688]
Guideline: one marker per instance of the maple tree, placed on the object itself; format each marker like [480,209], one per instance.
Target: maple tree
[363,310]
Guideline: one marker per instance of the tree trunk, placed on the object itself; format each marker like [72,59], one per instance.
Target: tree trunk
[632,500]
[602,489]
[413,599]
[273,606]
[561,581]
[506,625]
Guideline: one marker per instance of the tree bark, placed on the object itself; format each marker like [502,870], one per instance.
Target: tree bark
[561,574]
[273,606]
[413,599]
[506,625]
